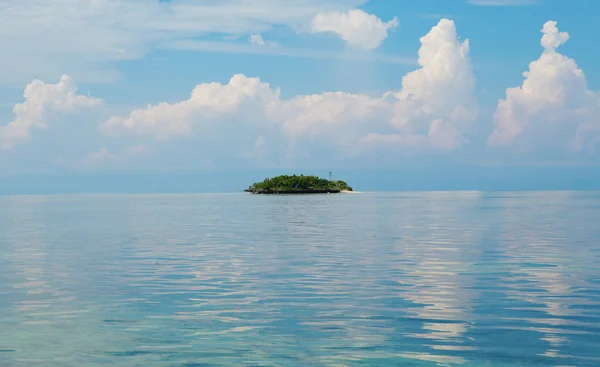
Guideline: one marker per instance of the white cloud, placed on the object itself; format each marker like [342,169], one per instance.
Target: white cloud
[433,110]
[552,38]
[436,106]
[42,99]
[248,104]
[209,103]
[246,118]
[83,41]
[257,39]
[552,110]
[336,121]
[246,107]
[356,27]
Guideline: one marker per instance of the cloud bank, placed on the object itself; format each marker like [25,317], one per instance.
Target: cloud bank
[433,111]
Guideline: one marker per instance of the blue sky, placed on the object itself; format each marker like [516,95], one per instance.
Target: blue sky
[331,84]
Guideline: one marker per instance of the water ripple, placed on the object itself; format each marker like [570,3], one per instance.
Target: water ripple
[410,279]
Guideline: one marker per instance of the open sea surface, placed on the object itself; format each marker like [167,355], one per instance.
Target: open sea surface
[372,279]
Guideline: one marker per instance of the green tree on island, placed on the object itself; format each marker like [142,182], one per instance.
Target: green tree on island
[298,185]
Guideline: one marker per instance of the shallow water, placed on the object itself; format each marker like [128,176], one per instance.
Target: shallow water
[385,279]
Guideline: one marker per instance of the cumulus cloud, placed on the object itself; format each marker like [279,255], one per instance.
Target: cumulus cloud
[209,103]
[552,38]
[248,105]
[552,110]
[332,121]
[42,99]
[245,119]
[433,110]
[355,27]
[257,39]
[436,106]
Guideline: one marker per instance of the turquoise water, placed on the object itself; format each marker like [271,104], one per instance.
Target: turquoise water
[386,279]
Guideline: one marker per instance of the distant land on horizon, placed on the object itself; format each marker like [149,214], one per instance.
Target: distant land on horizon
[229,181]
[298,184]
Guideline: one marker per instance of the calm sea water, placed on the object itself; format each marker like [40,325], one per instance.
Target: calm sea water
[386,279]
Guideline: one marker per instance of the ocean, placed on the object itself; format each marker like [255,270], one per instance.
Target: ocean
[369,279]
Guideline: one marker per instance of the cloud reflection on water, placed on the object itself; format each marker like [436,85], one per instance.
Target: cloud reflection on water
[432,278]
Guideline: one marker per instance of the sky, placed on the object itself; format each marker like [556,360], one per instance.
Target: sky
[101,87]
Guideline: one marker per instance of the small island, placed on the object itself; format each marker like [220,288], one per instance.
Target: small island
[298,185]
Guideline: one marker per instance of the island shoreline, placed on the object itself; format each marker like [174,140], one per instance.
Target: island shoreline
[298,185]
[294,192]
